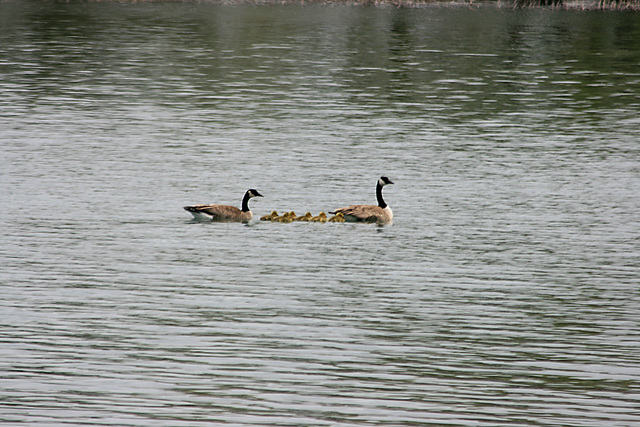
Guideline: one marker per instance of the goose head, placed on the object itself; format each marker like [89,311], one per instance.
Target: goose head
[253,193]
[384,181]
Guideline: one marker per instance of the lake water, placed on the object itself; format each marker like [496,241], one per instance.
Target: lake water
[506,292]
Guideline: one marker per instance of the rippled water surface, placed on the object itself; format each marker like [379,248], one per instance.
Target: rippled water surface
[506,292]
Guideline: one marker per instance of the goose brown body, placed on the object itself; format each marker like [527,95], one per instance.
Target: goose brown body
[367,213]
[225,212]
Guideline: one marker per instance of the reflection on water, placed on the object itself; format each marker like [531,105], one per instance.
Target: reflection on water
[504,293]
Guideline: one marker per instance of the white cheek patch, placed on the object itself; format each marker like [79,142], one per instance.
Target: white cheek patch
[381,182]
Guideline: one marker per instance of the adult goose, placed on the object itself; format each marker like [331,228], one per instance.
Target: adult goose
[369,213]
[224,212]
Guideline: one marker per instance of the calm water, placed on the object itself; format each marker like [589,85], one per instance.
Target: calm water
[505,293]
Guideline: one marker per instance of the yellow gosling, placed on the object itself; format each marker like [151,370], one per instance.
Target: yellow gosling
[286,217]
[305,217]
[339,217]
[322,217]
[269,217]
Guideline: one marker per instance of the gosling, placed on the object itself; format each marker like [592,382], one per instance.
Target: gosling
[322,217]
[286,217]
[339,217]
[270,217]
[305,217]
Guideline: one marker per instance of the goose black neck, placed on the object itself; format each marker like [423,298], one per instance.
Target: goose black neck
[245,202]
[381,202]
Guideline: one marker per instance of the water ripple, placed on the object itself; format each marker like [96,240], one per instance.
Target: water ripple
[503,294]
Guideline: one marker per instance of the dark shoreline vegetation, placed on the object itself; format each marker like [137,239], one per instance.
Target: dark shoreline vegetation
[614,5]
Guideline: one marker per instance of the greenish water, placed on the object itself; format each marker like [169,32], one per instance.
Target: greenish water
[504,293]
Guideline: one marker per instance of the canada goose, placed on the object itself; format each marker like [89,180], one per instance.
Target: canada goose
[305,217]
[224,212]
[370,213]
[322,217]
[337,218]
[270,217]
